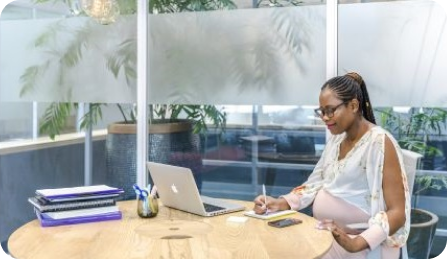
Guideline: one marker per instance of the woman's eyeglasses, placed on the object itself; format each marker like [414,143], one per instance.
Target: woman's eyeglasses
[329,112]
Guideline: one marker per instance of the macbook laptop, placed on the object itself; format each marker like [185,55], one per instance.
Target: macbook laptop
[177,189]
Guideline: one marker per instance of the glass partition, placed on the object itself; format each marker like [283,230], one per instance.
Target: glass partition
[259,64]
[259,67]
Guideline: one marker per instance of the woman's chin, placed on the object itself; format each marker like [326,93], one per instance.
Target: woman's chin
[335,130]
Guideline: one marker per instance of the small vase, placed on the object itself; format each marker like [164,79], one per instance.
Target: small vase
[147,207]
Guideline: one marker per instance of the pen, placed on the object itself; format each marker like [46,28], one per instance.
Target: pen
[265,198]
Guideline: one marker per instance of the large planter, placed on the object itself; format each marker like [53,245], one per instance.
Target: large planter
[422,231]
[170,142]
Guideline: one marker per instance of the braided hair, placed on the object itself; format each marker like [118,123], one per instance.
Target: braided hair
[352,86]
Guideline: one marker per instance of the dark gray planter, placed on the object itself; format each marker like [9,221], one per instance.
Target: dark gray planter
[170,142]
[422,231]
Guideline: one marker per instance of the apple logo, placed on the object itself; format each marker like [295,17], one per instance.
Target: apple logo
[174,189]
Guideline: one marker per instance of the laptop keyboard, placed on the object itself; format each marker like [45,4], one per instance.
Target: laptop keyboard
[211,208]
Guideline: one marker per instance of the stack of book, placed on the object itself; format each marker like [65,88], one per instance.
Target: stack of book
[64,206]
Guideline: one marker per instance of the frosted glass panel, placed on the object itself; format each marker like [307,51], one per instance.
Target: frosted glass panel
[63,59]
[250,56]
[266,56]
[400,48]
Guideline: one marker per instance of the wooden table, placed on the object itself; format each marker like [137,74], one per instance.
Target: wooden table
[171,234]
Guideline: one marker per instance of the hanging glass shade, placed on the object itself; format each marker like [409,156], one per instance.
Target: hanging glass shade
[103,11]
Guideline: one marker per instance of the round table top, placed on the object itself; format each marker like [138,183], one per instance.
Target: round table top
[171,234]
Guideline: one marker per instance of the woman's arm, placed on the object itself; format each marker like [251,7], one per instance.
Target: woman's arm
[390,220]
[393,188]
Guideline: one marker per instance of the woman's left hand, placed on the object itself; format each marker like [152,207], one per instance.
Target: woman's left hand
[351,245]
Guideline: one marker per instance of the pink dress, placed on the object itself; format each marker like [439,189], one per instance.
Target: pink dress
[350,191]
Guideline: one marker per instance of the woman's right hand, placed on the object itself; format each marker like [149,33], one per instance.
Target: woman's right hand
[272,204]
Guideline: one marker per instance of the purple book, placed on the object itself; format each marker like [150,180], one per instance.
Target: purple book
[46,221]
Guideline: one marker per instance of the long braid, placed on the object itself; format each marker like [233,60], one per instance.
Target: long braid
[367,110]
[366,104]
[352,86]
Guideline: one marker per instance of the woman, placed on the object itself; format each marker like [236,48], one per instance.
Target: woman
[360,178]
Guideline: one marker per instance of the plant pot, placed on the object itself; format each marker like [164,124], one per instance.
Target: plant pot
[170,142]
[422,231]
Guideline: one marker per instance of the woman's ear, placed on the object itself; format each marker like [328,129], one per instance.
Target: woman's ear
[354,105]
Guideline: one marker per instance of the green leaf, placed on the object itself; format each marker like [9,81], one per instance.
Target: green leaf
[54,119]
[92,117]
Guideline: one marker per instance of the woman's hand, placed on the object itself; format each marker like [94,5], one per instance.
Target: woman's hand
[351,245]
[271,205]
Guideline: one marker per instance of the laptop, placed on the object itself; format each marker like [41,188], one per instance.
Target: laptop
[178,189]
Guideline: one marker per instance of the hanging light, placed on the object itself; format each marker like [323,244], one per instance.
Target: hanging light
[103,11]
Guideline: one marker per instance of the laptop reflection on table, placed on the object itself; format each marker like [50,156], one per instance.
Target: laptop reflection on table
[177,189]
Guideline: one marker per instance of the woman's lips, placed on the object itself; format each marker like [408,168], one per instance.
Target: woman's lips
[330,126]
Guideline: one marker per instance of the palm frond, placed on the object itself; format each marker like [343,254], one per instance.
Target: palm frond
[93,115]
[55,118]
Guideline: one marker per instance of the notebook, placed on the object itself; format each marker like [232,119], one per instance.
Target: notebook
[270,215]
[177,189]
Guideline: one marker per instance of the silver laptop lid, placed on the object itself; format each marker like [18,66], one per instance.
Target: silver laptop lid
[177,189]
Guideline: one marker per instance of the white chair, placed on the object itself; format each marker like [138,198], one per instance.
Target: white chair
[411,163]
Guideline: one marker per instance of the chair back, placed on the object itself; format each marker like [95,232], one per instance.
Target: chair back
[411,164]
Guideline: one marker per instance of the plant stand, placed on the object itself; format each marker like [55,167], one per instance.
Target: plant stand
[422,231]
[170,142]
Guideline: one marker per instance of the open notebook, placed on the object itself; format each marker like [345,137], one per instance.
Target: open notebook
[177,189]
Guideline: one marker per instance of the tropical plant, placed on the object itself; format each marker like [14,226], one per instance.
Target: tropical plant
[123,59]
[413,131]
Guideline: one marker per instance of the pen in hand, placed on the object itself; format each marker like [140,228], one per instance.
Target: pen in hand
[265,199]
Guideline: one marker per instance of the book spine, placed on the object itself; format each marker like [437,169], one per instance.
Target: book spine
[71,205]
[43,201]
[81,198]
[77,205]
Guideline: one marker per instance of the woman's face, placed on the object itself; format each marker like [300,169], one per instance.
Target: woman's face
[336,114]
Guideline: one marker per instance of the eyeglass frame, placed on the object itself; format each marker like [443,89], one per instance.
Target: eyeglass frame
[320,113]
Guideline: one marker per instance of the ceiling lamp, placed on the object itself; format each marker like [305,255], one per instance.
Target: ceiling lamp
[103,11]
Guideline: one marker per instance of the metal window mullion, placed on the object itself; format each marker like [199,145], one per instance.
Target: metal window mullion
[142,92]
[331,42]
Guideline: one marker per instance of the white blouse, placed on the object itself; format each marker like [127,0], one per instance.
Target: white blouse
[357,179]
